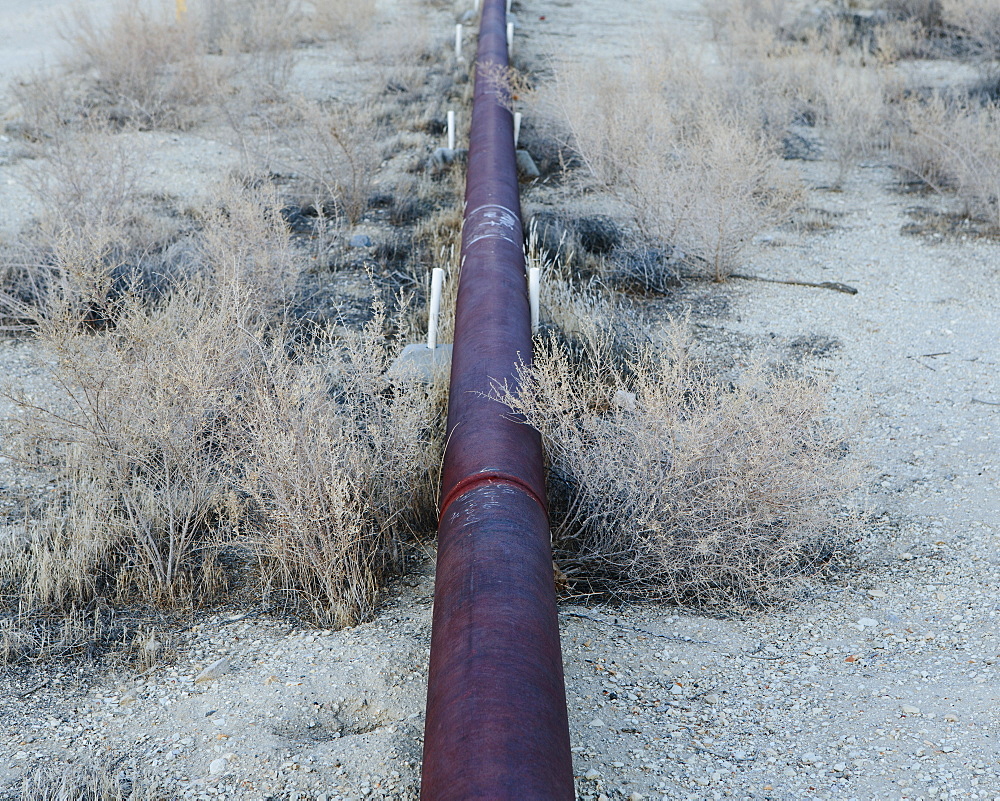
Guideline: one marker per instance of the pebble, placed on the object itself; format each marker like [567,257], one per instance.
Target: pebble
[597,723]
[361,241]
[592,775]
[867,622]
[218,766]
[906,709]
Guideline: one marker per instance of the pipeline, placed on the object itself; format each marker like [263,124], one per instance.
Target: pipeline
[496,724]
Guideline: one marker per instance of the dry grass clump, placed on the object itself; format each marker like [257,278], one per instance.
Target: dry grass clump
[340,19]
[694,173]
[672,483]
[199,413]
[340,464]
[976,24]
[333,150]
[147,69]
[93,221]
[953,145]
[108,781]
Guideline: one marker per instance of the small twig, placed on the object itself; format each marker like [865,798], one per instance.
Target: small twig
[836,286]
[985,402]
[925,366]
[34,689]
[675,637]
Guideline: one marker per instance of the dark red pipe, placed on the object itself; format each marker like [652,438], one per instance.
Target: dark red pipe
[496,723]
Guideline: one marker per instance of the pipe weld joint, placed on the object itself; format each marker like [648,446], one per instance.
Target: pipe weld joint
[478,479]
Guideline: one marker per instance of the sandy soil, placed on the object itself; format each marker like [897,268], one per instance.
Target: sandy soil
[884,685]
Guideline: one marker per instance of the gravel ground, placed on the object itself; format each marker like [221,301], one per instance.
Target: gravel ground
[883,684]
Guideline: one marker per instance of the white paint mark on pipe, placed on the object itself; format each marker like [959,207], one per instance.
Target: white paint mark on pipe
[458,41]
[534,295]
[437,281]
[451,130]
[510,38]
[517,127]
[492,221]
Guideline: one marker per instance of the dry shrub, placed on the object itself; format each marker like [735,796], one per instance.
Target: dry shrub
[671,483]
[853,106]
[332,149]
[151,70]
[340,463]
[976,23]
[92,220]
[345,20]
[257,37]
[146,69]
[694,172]
[953,145]
[184,409]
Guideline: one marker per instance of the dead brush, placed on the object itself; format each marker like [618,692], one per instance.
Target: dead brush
[134,429]
[976,23]
[952,145]
[146,69]
[339,462]
[113,780]
[671,483]
[332,150]
[201,413]
[93,220]
[693,175]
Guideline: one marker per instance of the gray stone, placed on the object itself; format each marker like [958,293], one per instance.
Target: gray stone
[213,671]
[361,241]
[419,361]
[527,170]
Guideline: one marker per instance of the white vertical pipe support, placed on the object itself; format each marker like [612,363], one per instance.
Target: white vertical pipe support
[437,282]
[508,6]
[458,41]
[534,294]
[475,6]
[451,130]
[517,127]
[510,38]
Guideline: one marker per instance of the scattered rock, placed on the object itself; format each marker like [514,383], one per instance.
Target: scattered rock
[592,775]
[598,235]
[218,766]
[597,723]
[443,156]
[361,241]
[527,170]
[218,668]
[867,623]
[906,709]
